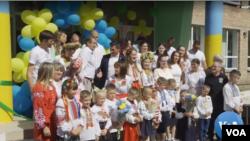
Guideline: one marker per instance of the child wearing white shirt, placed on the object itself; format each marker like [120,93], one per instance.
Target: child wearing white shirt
[231,93]
[205,108]
[91,128]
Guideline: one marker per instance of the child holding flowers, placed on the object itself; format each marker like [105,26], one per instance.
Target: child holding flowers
[146,60]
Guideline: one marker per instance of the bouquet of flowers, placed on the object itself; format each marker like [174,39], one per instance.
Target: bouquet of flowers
[152,107]
[190,101]
[123,108]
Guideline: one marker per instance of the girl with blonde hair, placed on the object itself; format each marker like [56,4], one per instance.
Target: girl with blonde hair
[60,39]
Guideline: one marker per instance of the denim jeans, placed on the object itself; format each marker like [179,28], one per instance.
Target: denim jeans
[204,124]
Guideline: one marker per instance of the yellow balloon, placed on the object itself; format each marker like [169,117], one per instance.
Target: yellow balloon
[17,64]
[26,57]
[137,30]
[114,21]
[24,73]
[107,51]
[147,31]
[28,16]
[38,25]
[28,31]
[91,4]
[46,14]
[20,55]
[142,23]
[131,15]
[36,12]
[88,23]
[85,10]
[115,36]
[17,77]
[51,27]
[97,13]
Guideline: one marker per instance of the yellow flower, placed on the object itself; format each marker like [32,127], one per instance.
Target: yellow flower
[142,58]
[152,59]
[122,106]
[148,55]
[193,97]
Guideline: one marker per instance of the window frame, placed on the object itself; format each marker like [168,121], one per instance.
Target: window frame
[248,56]
[238,3]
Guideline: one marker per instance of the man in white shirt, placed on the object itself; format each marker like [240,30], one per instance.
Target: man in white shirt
[106,69]
[38,55]
[75,38]
[89,63]
[196,53]
[169,47]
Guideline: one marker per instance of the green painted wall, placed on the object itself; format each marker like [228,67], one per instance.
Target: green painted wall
[173,20]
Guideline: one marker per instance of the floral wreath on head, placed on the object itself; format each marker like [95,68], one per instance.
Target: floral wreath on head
[72,45]
[69,82]
[130,49]
[148,55]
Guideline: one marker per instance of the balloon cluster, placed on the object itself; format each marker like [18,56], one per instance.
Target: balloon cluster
[64,13]
[19,66]
[142,29]
[22,99]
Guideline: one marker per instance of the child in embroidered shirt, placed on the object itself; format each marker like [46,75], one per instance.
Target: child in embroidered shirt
[103,113]
[205,109]
[231,93]
[91,130]
[171,88]
[166,108]
[111,102]
[132,125]
[147,129]
[68,113]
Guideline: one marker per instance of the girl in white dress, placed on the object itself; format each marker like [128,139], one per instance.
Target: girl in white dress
[185,62]
[195,78]
[68,115]
[58,77]
[144,47]
[161,50]
[162,69]
[122,81]
[134,69]
[103,113]
[67,52]
[146,60]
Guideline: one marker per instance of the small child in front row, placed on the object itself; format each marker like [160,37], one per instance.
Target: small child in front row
[68,115]
[185,133]
[172,120]
[111,103]
[132,125]
[147,129]
[205,108]
[166,108]
[231,93]
[91,129]
[103,114]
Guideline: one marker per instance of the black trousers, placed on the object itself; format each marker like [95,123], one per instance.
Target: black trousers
[115,135]
[73,138]
[215,114]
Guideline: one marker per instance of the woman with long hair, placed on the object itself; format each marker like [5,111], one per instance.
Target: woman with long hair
[59,40]
[144,47]
[185,62]
[162,69]
[161,50]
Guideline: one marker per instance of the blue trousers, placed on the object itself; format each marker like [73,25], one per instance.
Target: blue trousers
[204,124]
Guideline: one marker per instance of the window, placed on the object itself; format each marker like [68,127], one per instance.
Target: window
[248,65]
[230,39]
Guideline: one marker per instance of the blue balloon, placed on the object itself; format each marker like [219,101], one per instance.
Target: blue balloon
[102,39]
[58,19]
[36,43]
[99,4]
[19,37]
[100,26]
[65,26]
[19,94]
[15,90]
[75,5]
[107,46]
[22,104]
[86,33]
[62,7]
[110,32]
[72,18]
[26,89]
[26,44]
[52,7]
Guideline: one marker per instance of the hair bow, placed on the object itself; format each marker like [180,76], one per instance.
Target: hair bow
[96,89]
[69,82]
[78,62]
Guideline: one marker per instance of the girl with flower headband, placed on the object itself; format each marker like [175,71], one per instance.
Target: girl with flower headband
[121,80]
[66,54]
[144,46]
[146,60]
[134,69]
[103,112]
[75,68]
[68,115]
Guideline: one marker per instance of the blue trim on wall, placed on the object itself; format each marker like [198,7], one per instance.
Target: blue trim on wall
[4,7]
[214,17]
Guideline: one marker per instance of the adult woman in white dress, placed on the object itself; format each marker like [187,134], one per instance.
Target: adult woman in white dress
[161,50]
[146,60]
[185,62]
[162,69]
[195,78]
[58,78]
[144,47]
